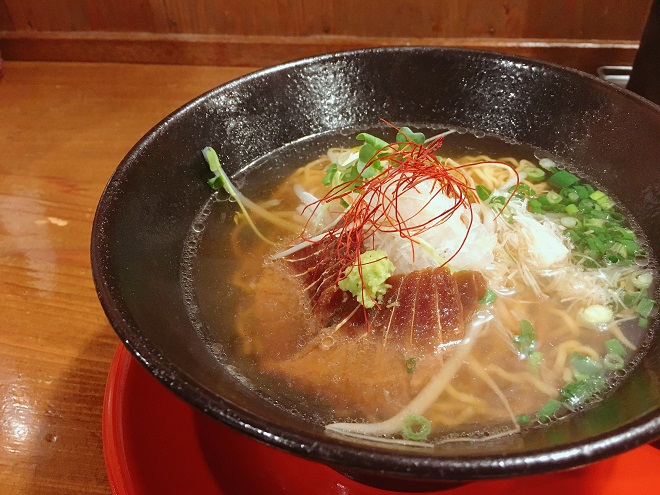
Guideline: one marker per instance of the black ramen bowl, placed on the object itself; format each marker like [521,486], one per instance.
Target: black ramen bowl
[141,228]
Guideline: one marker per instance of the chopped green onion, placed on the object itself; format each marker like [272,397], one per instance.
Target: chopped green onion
[563,178]
[606,203]
[631,246]
[523,419]
[411,364]
[522,191]
[547,164]
[594,222]
[534,361]
[416,427]
[643,280]
[569,222]
[596,195]
[597,314]
[605,215]
[585,365]
[553,197]
[645,307]
[489,297]
[586,205]
[613,361]
[535,205]
[581,390]
[616,347]
[570,194]
[573,236]
[618,249]
[534,174]
[626,233]
[581,191]
[526,340]
[631,299]
[547,410]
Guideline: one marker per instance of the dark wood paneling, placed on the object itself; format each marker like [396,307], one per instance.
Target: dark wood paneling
[571,19]
[578,33]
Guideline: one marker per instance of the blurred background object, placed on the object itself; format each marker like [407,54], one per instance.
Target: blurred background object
[645,77]
[582,34]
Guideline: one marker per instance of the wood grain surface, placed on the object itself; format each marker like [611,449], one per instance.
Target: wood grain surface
[583,34]
[63,130]
[567,19]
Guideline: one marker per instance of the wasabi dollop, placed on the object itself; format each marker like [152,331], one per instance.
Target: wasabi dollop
[369,286]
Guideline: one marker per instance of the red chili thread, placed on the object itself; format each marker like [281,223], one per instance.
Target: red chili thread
[373,210]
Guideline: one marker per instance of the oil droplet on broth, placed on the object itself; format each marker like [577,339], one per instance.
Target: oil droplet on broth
[327,342]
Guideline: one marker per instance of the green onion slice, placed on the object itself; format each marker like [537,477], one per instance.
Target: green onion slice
[645,307]
[613,361]
[562,179]
[534,174]
[526,340]
[411,364]
[416,427]
[615,347]
[547,410]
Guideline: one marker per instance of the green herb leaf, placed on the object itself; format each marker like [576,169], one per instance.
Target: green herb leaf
[406,134]
[375,142]
[489,297]
[483,192]
[329,174]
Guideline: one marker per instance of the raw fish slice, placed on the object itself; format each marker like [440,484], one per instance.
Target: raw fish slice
[354,376]
[424,309]
[427,309]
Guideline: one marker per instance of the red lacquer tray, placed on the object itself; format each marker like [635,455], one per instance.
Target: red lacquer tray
[154,443]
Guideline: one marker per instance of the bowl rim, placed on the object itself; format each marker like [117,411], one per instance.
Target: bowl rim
[324,448]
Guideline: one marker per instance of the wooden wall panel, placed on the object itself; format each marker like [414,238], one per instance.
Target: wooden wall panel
[287,29]
[569,19]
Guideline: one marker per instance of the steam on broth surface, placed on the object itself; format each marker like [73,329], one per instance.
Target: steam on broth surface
[412,290]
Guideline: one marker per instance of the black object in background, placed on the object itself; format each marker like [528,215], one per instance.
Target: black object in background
[645,77]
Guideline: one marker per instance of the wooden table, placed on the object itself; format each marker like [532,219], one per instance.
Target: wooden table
[64,127]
